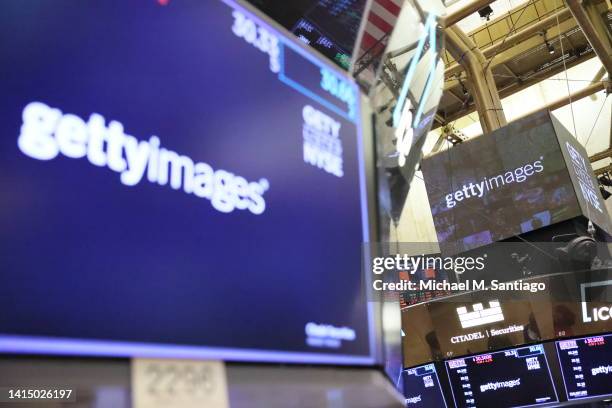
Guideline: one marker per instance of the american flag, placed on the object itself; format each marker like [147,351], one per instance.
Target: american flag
[379,24]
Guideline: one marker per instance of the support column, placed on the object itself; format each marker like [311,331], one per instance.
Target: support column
[594,30]
[479,79]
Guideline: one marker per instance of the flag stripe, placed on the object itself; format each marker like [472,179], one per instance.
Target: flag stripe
[380,23]
[390,5]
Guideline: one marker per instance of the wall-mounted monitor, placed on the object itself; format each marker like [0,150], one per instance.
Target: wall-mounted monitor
[517,377]
[586,365]
[525,176]
[178,179]
[422,387]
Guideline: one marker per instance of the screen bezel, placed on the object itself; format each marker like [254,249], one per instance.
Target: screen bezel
[36,345]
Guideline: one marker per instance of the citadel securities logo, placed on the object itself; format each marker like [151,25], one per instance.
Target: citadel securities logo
[480,316]
[46,132]
[322,144]
[596,314]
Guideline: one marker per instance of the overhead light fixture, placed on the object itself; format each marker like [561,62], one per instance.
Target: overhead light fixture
[486,13]
[463,88]
[549,46]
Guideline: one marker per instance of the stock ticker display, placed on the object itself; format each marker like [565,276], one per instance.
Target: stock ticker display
[422,387]
[586,365]
[161,178]
[574,304]
[510,378]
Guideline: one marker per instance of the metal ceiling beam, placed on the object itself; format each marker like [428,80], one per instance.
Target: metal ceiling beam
[519,86]
[553,34]
[566,100]
[518,37]
[470,8]
[479,78]
[576,96]
[601,155]
[438,118]
[603,170]
[598,77]
[593,32]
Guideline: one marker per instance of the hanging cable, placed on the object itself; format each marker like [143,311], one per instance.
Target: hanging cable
[596,119]
[569,93]
[508,34]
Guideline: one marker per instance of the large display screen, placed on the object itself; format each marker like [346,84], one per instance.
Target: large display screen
[586,365]
[178,178]
[422,387]
[512,181]
[510,378]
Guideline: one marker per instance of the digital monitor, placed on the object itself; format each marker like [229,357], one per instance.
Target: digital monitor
[179,179]
[519,377]
[512,181]
[586,365]
[422,387]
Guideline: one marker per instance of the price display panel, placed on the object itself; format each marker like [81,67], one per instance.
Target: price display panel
[422,387]
[586,365]
[517,377]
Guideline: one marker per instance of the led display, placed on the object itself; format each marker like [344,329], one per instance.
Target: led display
[586,365]
[512,181]
[510,378]
[422,387]
[179,179]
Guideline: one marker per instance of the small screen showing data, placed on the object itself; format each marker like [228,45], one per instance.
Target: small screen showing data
[586,365]
[513,378]
[422,387]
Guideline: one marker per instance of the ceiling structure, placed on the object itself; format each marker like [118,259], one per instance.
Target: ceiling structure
[489,58]
[535,40]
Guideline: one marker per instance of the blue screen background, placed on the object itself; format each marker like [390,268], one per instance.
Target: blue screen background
[85,257]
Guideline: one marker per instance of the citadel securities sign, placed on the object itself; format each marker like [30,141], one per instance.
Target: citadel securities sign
[46,132]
